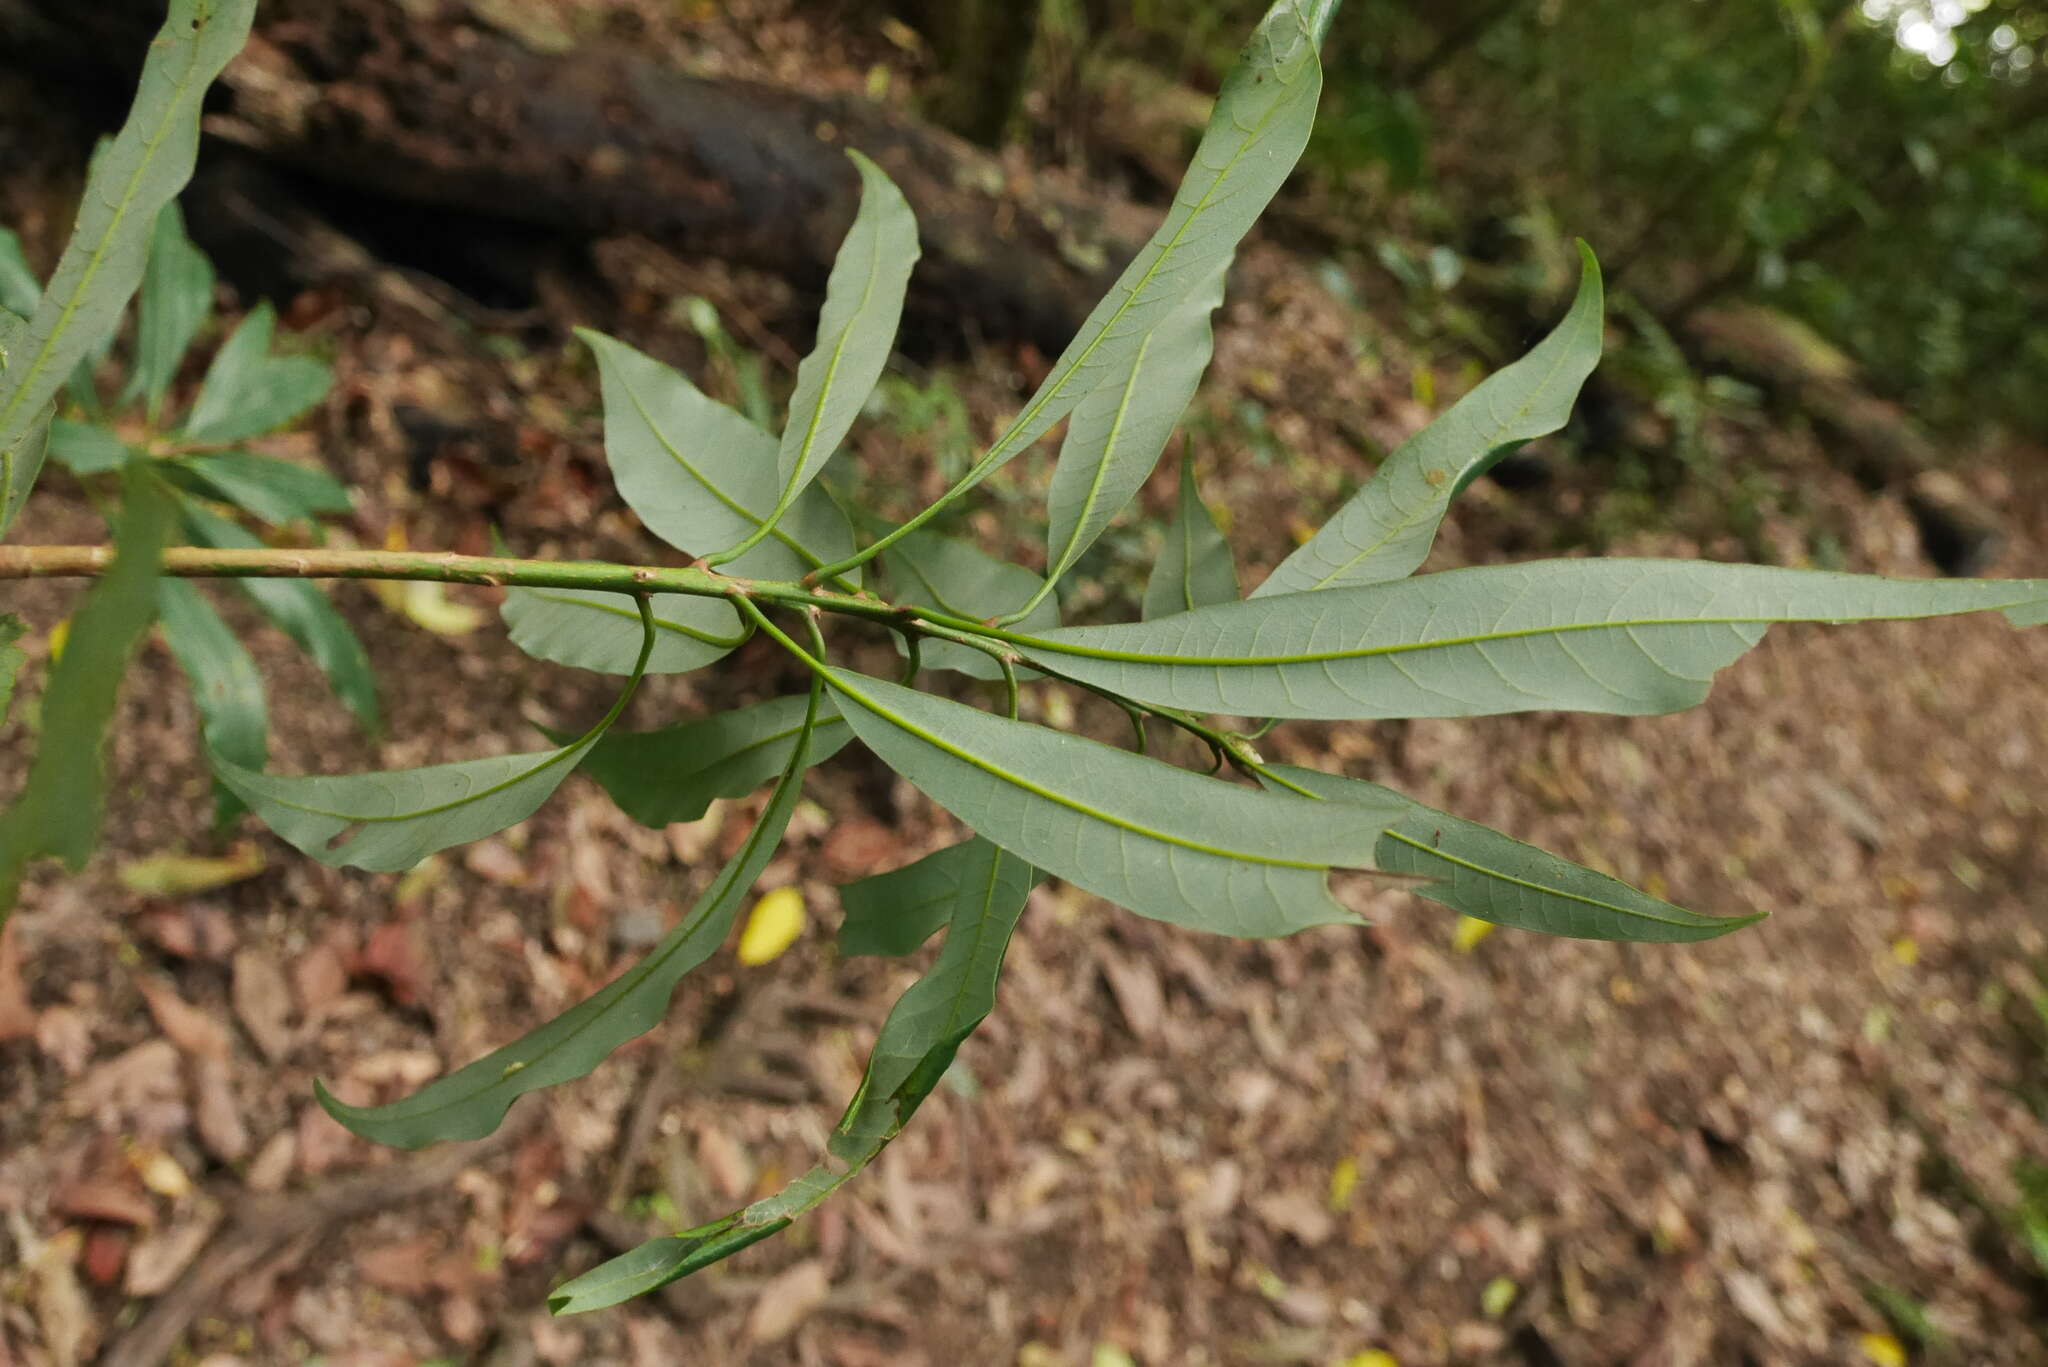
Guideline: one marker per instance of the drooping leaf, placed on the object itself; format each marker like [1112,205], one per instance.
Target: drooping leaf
[226,684]
[893,913]
[856,332]
[11,659]
[59,809]
[701,476]
[470,1102]
[674,774]
[1117,433]
[20,290]
[86,448]
[1195,568]
[1482,873]
[955,577]
[391,820]
[1162,841]
[302,612]
[248,391]
[143,169]
[917,1044]
[1385,531]
[1255,135]
[1624,636]
[177,299]
[601,631]
[270,489]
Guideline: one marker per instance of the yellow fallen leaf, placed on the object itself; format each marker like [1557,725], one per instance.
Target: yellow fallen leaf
[1498,1297]
[1884,1350]
[1471,930]
[181,875]
[59,634]
[160,1173]
[1110,1355]
[776,922]
[1906,950]
[427,604]
[1371,1357]
[1343,1182]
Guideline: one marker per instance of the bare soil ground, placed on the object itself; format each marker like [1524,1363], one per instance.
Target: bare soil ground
[1177,1148]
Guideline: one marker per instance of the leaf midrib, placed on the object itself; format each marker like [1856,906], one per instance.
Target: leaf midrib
[1071,552]
[1732,922]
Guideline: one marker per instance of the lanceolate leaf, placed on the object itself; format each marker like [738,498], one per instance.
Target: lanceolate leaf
[1164,842]
[674,774]
[1115,436]
[20,290]
[86,448]
[391,820]
[303,613]
[58,812]
[601,631]
[248,391]
[924,1031]
[1483,873]
[1195,568]
[226,684]
[273,490]
[699,475]
[1386,530]
[11,658]
[177,298]
[1256,134]
[470,1102]
[856,331]
[955,577]
[893,913]
[1626,636]
[147,164]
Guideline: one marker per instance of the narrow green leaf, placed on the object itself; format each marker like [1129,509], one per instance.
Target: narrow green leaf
[86,448]
[674,774]
[701,476]
[11,659]
[917,1044]
[956,577]
[601,631]
[20,290]
[389,821]
[143,169]
[248,391]
[226,684]
[303,613]
[471,1102]
[893,913]
[1480,872]
[1255,135]
[1624,636]
[59,810]
[176,301]
[1120,428]
[856,332]
[1195,569]
[1387,528]
[1162,841]
[272,490]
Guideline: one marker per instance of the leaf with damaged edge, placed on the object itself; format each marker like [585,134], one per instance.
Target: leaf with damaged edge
[1483,873]
[472,1101]
[1166,843]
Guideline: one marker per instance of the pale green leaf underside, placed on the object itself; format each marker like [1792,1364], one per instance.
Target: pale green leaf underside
[917,1043]
[1622,636]
[1385,531]
[1162,841]
[587,629]
[1255,135]
[1195,568]
[176,300]
[701,476]
[143,169]
[965,581]
[856,330]
[471,1102]
[248,391]
[1481,872]
[1117,433]
[674,774]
